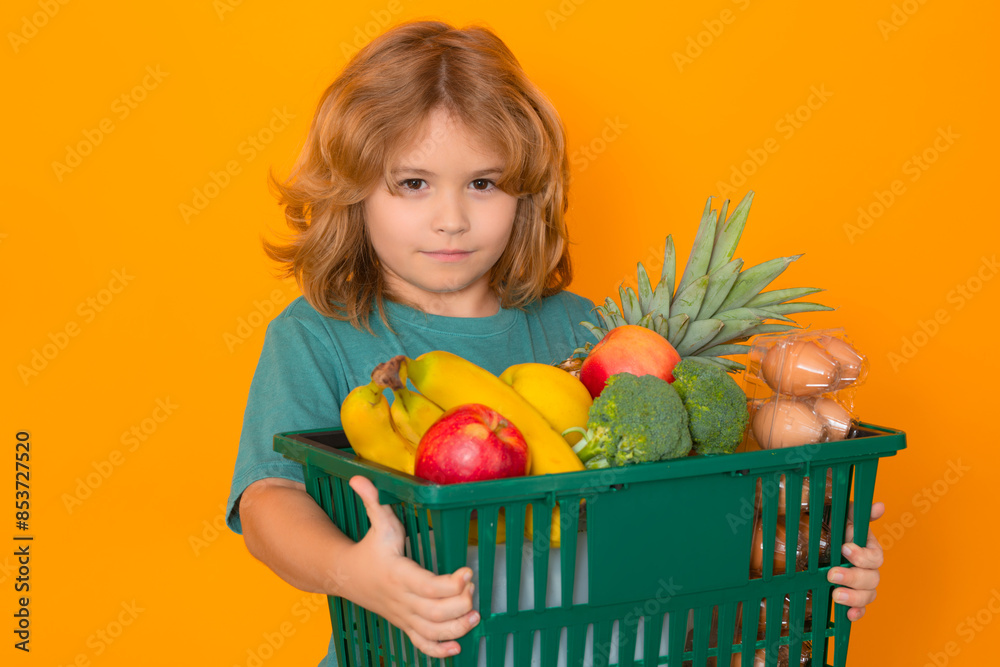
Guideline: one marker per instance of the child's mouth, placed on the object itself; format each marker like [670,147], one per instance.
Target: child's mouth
[448,255]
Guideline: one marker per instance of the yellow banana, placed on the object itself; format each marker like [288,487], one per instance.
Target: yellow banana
[412,414]
[554,534]
[449,380]
[561,398]
[365,418]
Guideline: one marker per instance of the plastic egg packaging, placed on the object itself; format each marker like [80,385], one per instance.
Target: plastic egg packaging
[801,387]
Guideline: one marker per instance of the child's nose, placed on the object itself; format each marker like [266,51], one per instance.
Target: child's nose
[451,216]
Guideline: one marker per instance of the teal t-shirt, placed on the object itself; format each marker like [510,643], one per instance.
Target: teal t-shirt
[310,362]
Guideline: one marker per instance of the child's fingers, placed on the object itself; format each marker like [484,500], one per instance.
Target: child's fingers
[443,631]
[433,648]
[860,579]
[854,598]
[440,610]
[870,557]
[443,585]
[878,509]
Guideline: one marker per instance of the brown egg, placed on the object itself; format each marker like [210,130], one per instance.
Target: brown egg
[828,492]
[836,418]
[853,366]
[786,422]
[801,554]
[762,624]
[799,368]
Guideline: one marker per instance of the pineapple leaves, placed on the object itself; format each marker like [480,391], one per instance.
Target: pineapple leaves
[716,304]
[631,310]
[728,232]
[644,289]
[688,300]
[773,297]
[661,326]
[754,279]
[730,365]
[720,282]
[663,295]
[676,327]
[597,332]
[701,251]
[698,334]
[765,329]
[610,315]
[795,307]
[722,350]
[735,325]
[726,364]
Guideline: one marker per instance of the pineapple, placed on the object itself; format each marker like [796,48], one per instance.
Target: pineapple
[716,306]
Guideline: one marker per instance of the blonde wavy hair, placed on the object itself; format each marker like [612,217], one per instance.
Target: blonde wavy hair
[367,117]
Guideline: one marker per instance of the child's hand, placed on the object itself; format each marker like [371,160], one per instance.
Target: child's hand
[859,582]
[432,609]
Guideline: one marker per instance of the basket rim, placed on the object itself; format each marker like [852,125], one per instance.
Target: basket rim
[303,447]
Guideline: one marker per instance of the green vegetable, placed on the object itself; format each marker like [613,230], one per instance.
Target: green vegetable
[715,403]
[634,420]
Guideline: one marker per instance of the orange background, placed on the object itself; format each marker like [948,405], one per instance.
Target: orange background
[138,569]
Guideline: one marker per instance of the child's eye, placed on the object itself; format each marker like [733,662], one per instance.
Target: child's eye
[411,183]
[483,184]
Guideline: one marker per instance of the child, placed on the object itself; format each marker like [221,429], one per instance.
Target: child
[427,209]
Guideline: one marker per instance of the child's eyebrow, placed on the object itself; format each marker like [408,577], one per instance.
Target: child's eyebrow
[425,172]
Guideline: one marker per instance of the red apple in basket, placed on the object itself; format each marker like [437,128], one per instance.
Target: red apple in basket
[470,443]
[628,349]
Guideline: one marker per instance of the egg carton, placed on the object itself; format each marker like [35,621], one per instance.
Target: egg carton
[801,388]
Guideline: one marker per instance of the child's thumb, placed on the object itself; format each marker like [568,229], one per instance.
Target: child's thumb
[380,516]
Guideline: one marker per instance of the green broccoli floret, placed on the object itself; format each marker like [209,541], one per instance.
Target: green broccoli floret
[634,420]
[715,403]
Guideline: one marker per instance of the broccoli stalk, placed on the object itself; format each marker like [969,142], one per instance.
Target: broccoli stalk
[634,420]
[715,403]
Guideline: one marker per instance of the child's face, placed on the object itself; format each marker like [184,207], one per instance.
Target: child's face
[438,239]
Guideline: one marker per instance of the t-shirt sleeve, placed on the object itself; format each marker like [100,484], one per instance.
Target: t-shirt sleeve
[581,309]
[294,388]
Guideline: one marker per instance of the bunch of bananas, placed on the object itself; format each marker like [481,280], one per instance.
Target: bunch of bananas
[541,400]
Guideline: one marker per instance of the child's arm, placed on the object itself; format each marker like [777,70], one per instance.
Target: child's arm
[859,582]
[284,528]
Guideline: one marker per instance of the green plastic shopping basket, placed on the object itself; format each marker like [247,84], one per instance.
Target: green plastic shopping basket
[661,572]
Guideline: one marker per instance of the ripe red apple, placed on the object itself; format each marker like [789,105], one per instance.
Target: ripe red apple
[628,349]
[469,443]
